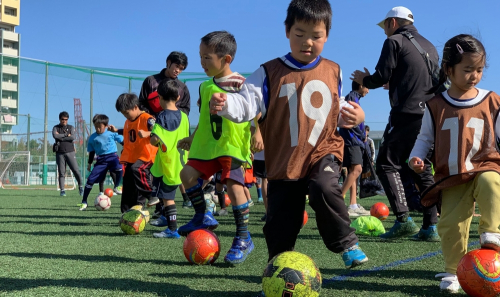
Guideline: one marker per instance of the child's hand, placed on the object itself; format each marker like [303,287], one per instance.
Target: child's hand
[185,143]
[256,143]
[417,164]
[352,116]
[112,128]
[89,167]
[217,102]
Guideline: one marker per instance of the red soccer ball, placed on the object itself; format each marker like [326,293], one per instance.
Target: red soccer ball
[380,211]
[228,201]
[109,192]
[201,247]
[478,273]
[304,221]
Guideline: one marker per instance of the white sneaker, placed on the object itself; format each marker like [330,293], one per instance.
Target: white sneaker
[449,282]
[362,211]
[117,191]
[359,211]
[153,201]
[490,241]
[83,206]
[352,212]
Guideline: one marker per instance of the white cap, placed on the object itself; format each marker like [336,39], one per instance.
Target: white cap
[398,12]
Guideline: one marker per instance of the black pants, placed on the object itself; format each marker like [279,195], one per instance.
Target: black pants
[286,204]
[137,184]
[392,169]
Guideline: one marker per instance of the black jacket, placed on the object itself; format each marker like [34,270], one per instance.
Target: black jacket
[401,65]
[64,137]
[150,85]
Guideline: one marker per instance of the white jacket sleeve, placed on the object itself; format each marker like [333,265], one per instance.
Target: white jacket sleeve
[246,105]
[425,139]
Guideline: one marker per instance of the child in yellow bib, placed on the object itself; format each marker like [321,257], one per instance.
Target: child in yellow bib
[218,144]
[171,125]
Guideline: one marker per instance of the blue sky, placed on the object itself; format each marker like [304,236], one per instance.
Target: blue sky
[139,35]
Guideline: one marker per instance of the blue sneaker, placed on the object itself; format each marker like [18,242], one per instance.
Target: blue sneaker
[187,204]
[167,233]
[354,256]
[63,193]
[159,222]
[401,229]
[260,200]
[199,221]
[80,190]
[430,235]
[239,250]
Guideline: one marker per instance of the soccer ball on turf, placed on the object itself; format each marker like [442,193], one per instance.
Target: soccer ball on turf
[145,212]
[228,201]
[380,211]
[109,192]
[102,202]
[201,247]
[291,274]
[304,221]
[132,222]
[478,273]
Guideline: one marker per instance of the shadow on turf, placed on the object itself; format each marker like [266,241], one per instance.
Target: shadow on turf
[79,233]
[113,285]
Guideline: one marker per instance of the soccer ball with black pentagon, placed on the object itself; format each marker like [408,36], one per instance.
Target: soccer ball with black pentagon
[478,273]
[201,247]
[291,274]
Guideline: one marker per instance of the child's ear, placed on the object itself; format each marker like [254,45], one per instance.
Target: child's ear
[178,98]
[287,32]
[228,59]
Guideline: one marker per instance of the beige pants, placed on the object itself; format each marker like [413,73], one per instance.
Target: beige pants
[457,210]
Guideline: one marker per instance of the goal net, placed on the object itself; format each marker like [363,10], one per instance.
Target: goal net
[14,169]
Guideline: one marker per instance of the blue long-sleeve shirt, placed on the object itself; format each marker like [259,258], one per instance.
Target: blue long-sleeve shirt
[356,135]
[104,143]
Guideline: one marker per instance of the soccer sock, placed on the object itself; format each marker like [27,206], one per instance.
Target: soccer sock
[86,193]
[241,214]
[259,193]
[117,178]
[222,199]
[101,187]
[185,197]
[195,194]
[170,212]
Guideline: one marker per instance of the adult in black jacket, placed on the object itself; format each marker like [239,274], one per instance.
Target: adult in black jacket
[148,98]
[402,67]
[65,151]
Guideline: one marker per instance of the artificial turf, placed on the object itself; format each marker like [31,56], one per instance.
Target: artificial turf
[50,248]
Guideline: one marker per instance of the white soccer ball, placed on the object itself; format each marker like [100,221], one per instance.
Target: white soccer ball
[102,202]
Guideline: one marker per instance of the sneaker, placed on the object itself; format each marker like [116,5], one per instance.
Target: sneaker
[399,229]
[187,204]
[354,256]
[221,212]
[490,241]
[239,250]
[250,203]
[153,201]
[167,233]
[210,206]
[264,217]
[430,234]
[352,212]
[83,206]
[449,282]
[156,215]
[260,200]
[380,193]
[117,191]
[63,193]
[361,211]
[159,222]
[101,193]
[199,221]
[80,190]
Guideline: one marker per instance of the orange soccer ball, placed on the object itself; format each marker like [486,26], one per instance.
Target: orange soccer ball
[109,192]
[201,247]
[380,211]
[228,201]
[478,273]
[304,221]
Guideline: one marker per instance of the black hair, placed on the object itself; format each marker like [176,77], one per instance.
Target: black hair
[355,86]
[454,49]
[126,101]
[100,119]
[221,42]
[179,58]
[168,90]
[308,11]
[63,114]
[404,22]
[367,128]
